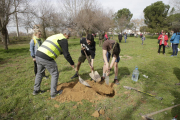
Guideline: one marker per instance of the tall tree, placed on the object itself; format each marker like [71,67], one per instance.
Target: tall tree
[122,19]
[156,16]
[7,9]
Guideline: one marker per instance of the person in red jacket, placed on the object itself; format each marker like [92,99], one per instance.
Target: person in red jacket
[163,38]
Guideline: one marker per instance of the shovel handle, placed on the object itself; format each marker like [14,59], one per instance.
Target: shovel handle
[87,58]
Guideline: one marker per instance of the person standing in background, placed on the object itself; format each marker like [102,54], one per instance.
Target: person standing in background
[125,36]
[175,42]
[35,42]
[105,36]
[162,42]
[120,37]
[143,38]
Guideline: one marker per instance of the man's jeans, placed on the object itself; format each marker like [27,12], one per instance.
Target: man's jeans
[51,66]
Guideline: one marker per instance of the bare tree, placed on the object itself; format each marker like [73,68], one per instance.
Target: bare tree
[7,8]
[85,15]
[41,12]
[121,24]
[103,21]
[137,23]
[57,22]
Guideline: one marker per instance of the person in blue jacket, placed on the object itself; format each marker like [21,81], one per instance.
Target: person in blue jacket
[175,41]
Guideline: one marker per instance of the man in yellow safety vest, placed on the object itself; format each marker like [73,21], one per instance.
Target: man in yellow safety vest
[46,54]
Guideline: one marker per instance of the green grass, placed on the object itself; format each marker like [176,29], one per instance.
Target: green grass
[163,71]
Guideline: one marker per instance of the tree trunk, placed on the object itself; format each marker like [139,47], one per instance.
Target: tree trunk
[4,36]
[17,27]
[43,31]
[8,41]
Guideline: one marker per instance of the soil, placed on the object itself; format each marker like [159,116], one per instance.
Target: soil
[75,91]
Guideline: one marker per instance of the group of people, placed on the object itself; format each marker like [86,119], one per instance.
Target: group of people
[163,41]
[44,54]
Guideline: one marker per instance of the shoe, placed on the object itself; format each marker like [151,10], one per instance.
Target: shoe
[116,81]
[75,75]
[102,79]
[172,55]
[58,93]
[37,92]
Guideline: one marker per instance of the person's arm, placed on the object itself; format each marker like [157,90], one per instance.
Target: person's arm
[112,64]
[160,37]
[64,45]
[173,37]
[166,37]
[105,59]
[32,49]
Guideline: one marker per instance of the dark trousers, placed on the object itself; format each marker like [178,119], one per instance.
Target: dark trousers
[175,49]
[35,69]
[160,48]
[120,40]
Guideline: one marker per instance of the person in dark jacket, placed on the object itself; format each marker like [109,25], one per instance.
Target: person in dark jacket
[120,37]
[89,46]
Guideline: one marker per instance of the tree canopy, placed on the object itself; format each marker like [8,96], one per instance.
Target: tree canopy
[156,16]
[122,19]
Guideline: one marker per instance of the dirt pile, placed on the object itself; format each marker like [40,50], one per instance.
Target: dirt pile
[75,91]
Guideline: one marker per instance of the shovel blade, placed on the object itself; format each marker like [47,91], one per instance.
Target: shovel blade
[107,80]
[83,82]
[95,76]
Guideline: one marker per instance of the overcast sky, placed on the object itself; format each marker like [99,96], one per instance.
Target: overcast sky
[135,6]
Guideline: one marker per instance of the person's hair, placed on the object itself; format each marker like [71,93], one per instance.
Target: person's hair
[90,37]
[116,50]
[67,32]
[176,31]
[35,32]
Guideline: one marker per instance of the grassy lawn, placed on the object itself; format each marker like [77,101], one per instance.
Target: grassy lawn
[17,81]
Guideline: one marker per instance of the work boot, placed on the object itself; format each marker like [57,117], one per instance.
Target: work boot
[37,92]
[116,82]
[102,79]
[75,75]
[58,93]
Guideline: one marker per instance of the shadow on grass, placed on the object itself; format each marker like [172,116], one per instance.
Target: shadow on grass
[177,72]
[123,72]
[176,111]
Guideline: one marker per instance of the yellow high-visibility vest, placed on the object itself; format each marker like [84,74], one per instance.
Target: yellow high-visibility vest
[51,47]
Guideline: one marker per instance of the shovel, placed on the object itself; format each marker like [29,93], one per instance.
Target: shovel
[130,88]
[82,81]
[94,74]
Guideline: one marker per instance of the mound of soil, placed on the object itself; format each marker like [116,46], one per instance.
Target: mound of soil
[75,91]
